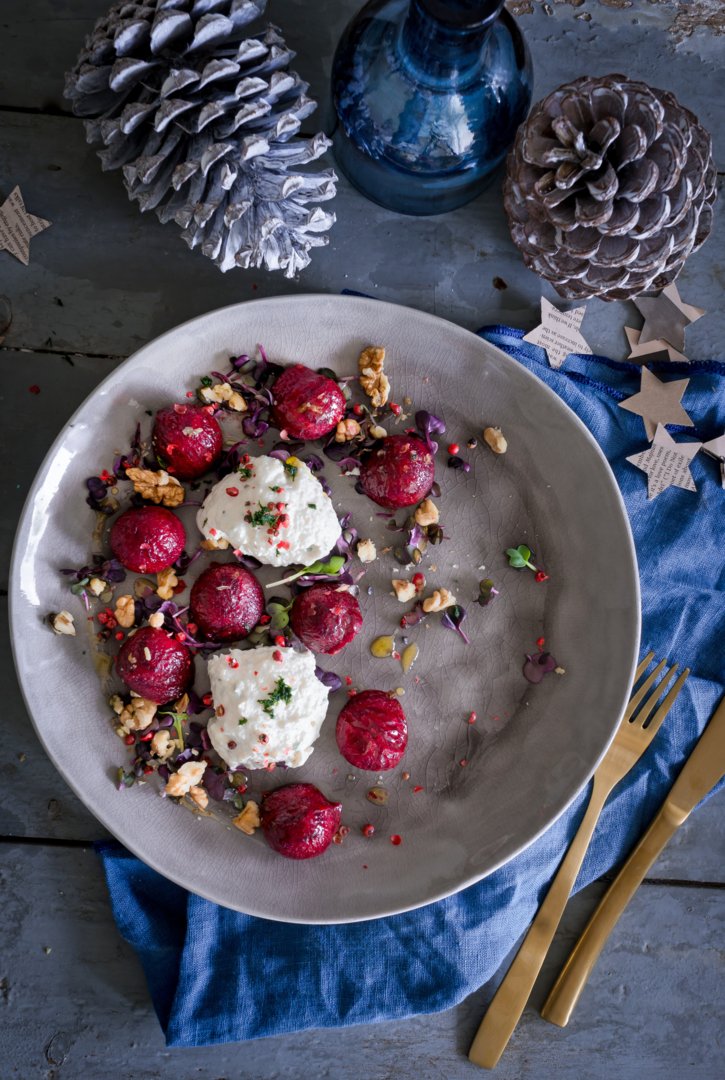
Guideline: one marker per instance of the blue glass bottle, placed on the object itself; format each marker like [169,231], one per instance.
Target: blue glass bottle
[428,95]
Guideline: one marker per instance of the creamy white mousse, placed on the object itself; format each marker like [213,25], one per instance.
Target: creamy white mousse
[276,511]
[268,706]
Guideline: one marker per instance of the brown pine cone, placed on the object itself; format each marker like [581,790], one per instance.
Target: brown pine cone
[609,187]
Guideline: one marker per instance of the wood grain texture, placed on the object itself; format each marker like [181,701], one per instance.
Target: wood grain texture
[123,278]
[651,1012]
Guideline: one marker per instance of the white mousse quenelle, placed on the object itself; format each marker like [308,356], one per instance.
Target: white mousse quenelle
[274,510]
[268,706]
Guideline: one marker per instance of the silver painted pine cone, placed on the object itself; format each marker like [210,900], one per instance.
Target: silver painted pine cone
[202,118]
[609,187]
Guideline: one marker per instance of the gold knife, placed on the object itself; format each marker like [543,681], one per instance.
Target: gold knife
[702,770]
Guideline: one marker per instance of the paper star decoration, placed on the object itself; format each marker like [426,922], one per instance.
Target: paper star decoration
[17,226]
[558,333]
[666,463]
[653,350]
[658,402]
[666,316]
[715,448]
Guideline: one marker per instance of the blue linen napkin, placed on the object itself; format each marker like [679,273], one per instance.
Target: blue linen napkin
[200,959]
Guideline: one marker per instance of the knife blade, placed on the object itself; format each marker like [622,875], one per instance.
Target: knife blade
[704,767]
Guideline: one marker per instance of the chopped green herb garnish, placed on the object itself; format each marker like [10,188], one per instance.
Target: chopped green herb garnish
[244,472]
[282,692]
[263,516]
[291,470]
[243,719]
[206,380]
[312,506]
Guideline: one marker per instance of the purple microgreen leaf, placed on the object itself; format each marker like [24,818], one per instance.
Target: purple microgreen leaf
[537,665]
[429,424]
[456,462]
[452,618]
[328,678]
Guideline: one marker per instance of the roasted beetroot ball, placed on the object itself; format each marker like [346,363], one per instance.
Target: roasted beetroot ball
[226,602]
[307,405]
[325,619]
[147,539]
[399,472]
[371,731]
[154,665]
[298,821]
[187,439]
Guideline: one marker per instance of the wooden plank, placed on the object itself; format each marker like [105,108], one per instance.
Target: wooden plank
[36,801]
[124,278]
[651,1012]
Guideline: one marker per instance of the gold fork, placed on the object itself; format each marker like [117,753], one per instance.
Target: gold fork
[634,734]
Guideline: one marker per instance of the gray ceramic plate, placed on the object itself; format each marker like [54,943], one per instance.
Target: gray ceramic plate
[532,748]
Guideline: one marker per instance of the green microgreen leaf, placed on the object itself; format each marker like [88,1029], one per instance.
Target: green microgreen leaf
[179,720]
[333,566]
[520,557]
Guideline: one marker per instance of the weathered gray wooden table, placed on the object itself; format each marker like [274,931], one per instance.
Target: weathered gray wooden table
[102,281]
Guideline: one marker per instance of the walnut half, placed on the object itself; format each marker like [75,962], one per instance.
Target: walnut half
[188,776]
[404,590]
[346,430]
[158,487]
[373,380]
[125,612]
[223,394]
[495,439]
[438,600]
[427,513]
[167,582]
[366,551]
[62,623]
[249,819]
[138,714]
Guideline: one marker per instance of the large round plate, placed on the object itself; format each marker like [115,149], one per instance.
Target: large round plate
[532,748]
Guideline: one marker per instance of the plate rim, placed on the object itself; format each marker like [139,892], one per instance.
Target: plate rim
[15,597]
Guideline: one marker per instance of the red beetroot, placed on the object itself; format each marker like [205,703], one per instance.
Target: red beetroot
[399,472]
[147,539]
[187,439]
[298,821]
[372,732]
[325,619]
[307,405]
[226,602]
[154,665]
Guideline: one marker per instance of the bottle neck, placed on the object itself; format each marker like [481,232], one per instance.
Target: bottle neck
[443,39]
